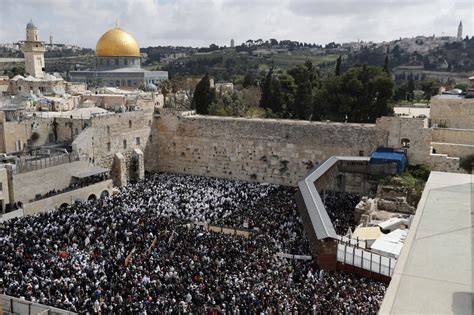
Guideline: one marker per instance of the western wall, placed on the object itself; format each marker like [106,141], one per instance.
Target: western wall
[263,150]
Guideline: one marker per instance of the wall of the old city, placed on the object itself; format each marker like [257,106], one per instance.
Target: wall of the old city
[119,133]
[265,150]
[81,194]
[415,130]
[459,136]
[453,113]
[28,185]
[13,131]
[453,149]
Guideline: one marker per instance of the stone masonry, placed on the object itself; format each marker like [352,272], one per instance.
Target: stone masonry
[263,150]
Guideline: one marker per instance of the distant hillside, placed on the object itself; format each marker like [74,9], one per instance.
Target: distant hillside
[227,64]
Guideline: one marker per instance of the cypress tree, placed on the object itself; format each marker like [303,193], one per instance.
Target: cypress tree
[203,96]
[265,100]
[338,66]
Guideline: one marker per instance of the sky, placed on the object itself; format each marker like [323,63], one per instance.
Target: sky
[200,23]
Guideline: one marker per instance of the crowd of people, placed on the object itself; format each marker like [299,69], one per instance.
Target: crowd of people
[76,184]
[340,208]
[140,252]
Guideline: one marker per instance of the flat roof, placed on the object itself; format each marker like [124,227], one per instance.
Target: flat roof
[367,233]
[434,271]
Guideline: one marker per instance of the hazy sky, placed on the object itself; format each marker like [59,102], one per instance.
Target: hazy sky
[202,22]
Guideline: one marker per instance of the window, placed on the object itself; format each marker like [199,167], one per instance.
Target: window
[124,144]
[361,152]
[108,130]
[116,61]
[137,140]
[108,147]
[1,186]
[76,131]
[405,142]
[129,82]
[150,139]
[134,82]
[129,124]
[117,83]
[126,61]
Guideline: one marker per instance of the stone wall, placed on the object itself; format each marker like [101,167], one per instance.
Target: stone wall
[118,133]
[415,130]
[452,149]
[453,113]
[4,189]
[444,163]
[27,185]
[81,194]
[19,132]
[459,136]
[264,150]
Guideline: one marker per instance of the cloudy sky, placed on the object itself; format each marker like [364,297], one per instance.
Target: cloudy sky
[202,22]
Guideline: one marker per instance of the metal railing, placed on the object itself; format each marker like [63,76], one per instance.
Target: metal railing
[366,260]
[24,166]
[13,305]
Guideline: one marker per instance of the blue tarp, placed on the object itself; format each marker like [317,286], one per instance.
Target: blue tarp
[400,158]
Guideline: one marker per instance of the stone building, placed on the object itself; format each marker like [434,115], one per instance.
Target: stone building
[459,37]
[117,64]
[33,49]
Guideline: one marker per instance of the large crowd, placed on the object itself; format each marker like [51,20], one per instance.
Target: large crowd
[340,208]
[141,252]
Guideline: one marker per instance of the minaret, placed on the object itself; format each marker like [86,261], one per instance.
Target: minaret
[460,31]
[33,49]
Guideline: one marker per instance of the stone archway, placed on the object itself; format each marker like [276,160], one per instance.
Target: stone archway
[104,194]
[92,197]
[64,205]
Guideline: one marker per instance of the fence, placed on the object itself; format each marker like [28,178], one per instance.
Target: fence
[24,166]
[12,305]
[229,230]
[365,260]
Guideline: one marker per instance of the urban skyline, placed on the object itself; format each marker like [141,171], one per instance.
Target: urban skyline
[180,22]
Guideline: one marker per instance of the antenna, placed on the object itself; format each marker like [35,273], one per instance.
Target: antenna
[116,22]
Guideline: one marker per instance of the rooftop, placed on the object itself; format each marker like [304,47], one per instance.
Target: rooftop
[434,271]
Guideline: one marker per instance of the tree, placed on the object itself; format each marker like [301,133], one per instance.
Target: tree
[303,75]
[410,89]
[267,90]
[248,81]
[430,88]
[203,96]
[338,65]
[385,64]
[165,87]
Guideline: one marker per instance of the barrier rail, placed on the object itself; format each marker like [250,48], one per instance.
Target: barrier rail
[13,305]
[366,260]
[41,163]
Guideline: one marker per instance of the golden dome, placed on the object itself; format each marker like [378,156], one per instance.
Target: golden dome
[117,43]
